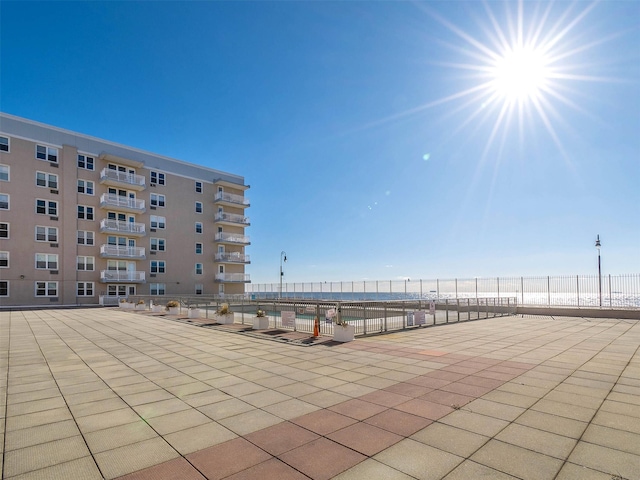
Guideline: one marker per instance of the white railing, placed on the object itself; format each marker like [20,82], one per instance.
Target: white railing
[121,251]
[232,217]
[232,257]
[232,238]
[231,198]
[232,277]
[122,276]
[122,177]
[116,226]
[119,201]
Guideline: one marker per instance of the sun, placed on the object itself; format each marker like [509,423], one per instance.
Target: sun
[522,73]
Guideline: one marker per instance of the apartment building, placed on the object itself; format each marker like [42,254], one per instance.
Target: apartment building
[85,220]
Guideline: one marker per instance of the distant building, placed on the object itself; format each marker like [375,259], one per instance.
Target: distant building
[84,220]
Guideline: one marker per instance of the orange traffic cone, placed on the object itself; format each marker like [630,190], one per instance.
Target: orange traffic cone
[316,327]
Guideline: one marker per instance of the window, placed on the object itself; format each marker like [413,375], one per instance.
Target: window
[46,207]
[4,259]
[117,265]
[157,177]
[46,234]
[85,212]
[157,266]
[84,289]
[157,288]
[47,261]
[85,238]
[47,180]
[158,222]
[157,200]
[85,186]
[198,289]
[85,263]
[198,268]
[4,286]
[4,173]
[198,227]
[4,230]
[86,162]
[4,201]
[198,207]
[199,248]
[46,289]
[198,187]
[48,154]
[157,244]
[4,144]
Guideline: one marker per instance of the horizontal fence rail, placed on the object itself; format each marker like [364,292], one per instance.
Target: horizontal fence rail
[607,291]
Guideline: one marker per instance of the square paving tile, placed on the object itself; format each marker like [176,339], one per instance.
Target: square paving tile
[552,423]
[291,409]
[424,408]
[26,437]
[322,459]
[447,398]
[537,440]
[357,409]
[374,470]
[468,470]
[196,438]
[398,422]
[517,461]
[250,421]
[450,439]
[114,437]
[44,455]
[281,438]
[324,422]
[273,468]
[174,422]
[177,469]
[408,389]
[226,408]
[365,438]
[131,458]
[228,458]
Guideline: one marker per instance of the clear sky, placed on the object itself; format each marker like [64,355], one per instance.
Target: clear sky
[381,140]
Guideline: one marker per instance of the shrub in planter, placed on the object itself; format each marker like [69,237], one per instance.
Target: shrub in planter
[173,306]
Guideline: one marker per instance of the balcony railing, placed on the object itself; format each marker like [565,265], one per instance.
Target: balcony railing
[122,276]
[223,197]
[115,226]
[233,277]
[114,177]
[232,218]
[119,202]
[224,237]
[232,257]
[121,251]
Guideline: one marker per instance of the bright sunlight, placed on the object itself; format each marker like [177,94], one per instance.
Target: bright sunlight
[520,74]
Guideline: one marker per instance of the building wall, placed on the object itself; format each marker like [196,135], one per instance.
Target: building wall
[174,192]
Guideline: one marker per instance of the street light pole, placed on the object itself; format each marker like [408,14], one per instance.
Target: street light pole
[283,257]
[598,245]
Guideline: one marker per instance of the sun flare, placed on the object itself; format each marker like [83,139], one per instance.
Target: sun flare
[520,74]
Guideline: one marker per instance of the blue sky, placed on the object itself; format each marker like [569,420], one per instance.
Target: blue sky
[380,139]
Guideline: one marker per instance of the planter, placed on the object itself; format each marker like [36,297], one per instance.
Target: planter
[344,334]
[260,323]
[173,310]
[193,313]
[227,318]
[157,309]
[141,306]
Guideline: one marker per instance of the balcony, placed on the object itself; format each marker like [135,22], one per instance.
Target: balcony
[115,178]
[126,228]
[232,200]
[232,257]
[232,278]
[111,276]
[119,251]
[232,219]
[119,202]
[234,238]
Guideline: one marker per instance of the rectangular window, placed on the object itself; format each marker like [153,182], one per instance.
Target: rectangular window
[4,259]
[46,234]
[4,201]
[4,173]
[46,261]
[47,180]
[86,162]
[46,207]
[198,268]
[198,187]
[157,266]
[46,289]
[85,186]
[198,207]
[198,248]
[4,144]
[85,289]
[158,222]
[157,288]
[157,244]
[4,230]
[85,238]
[198,227]
[85,212]
[48,154]
[157,200]
[4,288]
[85,263]
[198,289]
[157,178]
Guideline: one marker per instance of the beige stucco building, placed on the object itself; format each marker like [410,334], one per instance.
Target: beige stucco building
[84,219]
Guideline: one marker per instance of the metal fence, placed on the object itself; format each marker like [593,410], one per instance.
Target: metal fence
[571,290]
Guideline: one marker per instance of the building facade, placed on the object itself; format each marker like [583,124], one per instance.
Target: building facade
[84,220]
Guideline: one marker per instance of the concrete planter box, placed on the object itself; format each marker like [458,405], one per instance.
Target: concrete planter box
[141,306]
[226,319]
[157,308]
[260,323]
[127,305]
[173,310]
[344,334]
[193,313]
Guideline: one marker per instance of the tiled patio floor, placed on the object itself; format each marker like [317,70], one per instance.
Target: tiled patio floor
[105,393]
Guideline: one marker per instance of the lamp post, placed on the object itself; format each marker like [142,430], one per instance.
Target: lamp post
[283,258]
[598,245]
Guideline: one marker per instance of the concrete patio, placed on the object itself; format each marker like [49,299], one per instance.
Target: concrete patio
[106,393]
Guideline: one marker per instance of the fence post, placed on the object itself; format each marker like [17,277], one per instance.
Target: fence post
[548,291]
[578,290]
[522,290]
[610,296]
[456,288]
[385,316]
[457,300]
[364,316]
